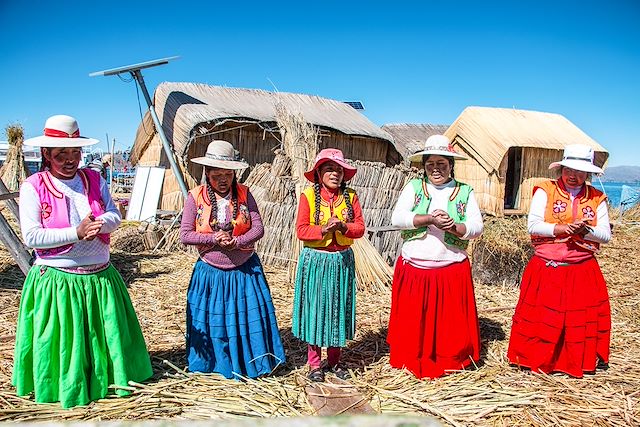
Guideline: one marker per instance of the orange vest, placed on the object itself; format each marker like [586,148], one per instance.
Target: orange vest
[561,210]
[242,222]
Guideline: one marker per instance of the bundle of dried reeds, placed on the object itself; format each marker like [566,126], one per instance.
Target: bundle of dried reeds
[14,169]
[372,272]
[300,144]
[502,252]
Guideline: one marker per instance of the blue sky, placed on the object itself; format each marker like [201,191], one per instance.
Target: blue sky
[415,62]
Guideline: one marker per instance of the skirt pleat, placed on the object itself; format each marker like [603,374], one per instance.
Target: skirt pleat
[324,310]
[562,322]
[433,326]
[231,322]
[76,335]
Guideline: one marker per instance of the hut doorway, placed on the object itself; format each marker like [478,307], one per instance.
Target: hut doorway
[513,178]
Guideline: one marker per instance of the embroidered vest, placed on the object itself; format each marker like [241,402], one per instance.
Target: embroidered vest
[560,210]
[339,209]
[53,205]
[242,222]
[456,208]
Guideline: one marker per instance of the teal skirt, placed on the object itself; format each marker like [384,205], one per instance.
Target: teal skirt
[324,306]
[76,335]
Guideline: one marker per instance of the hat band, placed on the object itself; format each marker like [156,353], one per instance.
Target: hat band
[439,148]
[584,159]
[219,157]
[55,133]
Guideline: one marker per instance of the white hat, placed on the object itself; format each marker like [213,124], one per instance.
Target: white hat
[439,145]
[578,157]
[61,131]
[221,154]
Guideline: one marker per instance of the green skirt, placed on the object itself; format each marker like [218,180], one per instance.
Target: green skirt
[324,306]
[76,335]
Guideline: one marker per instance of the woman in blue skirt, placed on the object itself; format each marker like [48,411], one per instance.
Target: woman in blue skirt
[231,322]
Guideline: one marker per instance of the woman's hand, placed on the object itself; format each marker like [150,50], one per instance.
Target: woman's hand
[578,227]
[442,220]
[334,224]
[89,227]
[225,240]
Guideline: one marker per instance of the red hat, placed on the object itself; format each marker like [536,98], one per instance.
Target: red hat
[331,155]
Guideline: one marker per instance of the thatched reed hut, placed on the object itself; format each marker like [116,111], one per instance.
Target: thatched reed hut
[409,138]
[510,152]
[192,115]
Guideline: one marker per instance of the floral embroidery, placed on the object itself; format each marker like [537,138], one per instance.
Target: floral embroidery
[345,213]
[417,200]
[321,217]
[460,208]
[45,210]
[559,206]
[588,213]
[199,213]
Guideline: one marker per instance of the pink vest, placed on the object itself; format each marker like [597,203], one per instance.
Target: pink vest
[53,205]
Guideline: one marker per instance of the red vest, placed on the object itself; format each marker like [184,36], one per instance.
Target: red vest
[561,210]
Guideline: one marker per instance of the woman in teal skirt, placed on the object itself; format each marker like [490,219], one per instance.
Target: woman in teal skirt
[329,218]
[77,331]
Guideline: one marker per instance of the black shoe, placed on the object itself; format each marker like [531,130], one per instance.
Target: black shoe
[316,375]
[340,371]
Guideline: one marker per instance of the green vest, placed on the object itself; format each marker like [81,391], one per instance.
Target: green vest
[457,209]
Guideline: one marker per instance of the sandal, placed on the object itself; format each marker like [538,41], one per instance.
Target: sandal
[316,375]
[340,371]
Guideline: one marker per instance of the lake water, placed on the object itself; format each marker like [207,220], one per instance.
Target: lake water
[613,190]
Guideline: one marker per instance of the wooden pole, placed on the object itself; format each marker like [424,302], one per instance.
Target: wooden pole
[15,246]
[11,204]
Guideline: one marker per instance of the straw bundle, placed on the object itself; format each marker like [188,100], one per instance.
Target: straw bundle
[14,170]
[502,252]
[300,144]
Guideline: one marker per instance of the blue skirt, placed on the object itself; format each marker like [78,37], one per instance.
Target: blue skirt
[231,322]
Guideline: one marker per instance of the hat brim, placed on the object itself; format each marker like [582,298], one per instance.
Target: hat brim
[349,171]
[53,142]
[579,165]
[222,164]
[417,157]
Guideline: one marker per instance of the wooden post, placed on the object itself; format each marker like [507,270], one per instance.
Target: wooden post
[15,246]
[11,204]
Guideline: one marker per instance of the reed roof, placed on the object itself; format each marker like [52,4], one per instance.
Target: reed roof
[410,137]
[182,106]
[488,133]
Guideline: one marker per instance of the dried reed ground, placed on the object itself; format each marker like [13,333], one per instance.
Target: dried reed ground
[494,394]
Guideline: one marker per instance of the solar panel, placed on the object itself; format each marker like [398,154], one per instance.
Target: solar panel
[355,104]
[133,67]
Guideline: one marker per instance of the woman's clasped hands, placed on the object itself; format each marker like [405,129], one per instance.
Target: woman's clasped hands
[225,240]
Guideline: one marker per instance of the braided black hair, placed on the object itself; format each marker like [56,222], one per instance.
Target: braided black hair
[318,200]
[46,164]
[347,200]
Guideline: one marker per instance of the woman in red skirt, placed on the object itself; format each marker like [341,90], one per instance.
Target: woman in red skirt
[562,322]
[433,326]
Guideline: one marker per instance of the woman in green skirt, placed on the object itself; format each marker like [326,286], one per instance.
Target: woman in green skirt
[77,332]
[329,218]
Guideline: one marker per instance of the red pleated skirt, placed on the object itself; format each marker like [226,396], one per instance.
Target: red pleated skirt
[562,322]
[433,326]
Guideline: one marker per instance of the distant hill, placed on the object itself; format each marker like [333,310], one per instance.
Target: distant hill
[622,174]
